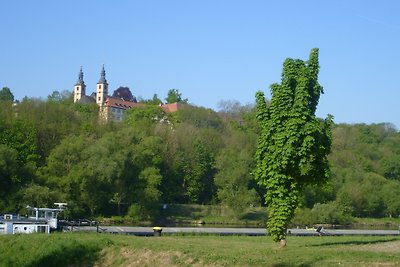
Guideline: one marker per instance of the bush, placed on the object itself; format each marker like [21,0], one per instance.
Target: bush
[135,212]
[329,213]
[303,217]
[326,213]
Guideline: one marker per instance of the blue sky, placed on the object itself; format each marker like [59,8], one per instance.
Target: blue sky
[211,50]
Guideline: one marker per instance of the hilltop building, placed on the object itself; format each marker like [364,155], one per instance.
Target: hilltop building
[111,107]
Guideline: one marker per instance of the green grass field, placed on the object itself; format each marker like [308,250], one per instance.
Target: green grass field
[91,249]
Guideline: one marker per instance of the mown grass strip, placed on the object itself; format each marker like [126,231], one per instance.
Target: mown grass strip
[91,249]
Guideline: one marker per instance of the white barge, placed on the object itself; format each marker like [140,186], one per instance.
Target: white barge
[38,220]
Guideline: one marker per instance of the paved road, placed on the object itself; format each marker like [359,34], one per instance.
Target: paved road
[148,231]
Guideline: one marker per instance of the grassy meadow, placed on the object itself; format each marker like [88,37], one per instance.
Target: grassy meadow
[91,249]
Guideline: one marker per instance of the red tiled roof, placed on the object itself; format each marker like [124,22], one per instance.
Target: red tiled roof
[173,107]
[119,103]
[122,104]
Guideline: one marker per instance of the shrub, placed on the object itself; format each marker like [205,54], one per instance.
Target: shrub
[135,212]
[322,213]
[329,213]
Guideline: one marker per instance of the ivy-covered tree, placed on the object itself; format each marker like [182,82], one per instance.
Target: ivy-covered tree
[293,144]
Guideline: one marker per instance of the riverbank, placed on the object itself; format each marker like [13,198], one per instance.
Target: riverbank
[220,216]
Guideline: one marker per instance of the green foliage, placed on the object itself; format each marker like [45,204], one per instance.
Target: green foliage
[88,115]
[154,101]
[50,250]
[6,95]
[355,197]
[313,194]
[329,213]
[8,164]
[54,150]
[390,192]
[146,114]
[242,118]
[213,214]
[52,122]
[293,144]
[193,169]
[135,212]
[189,156]
[198,117]
[364,161]
[174,96]
[58,96]
[22,136]
[233,179]
[38,196]
[10,176]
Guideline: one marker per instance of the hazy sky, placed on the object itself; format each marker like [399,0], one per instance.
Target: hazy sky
[211,50]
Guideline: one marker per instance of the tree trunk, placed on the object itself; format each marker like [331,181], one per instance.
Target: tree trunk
[282,243]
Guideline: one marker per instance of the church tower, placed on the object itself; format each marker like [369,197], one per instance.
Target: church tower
[80,87]
[102,89]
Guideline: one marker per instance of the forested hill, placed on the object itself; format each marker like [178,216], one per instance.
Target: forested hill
[57,151]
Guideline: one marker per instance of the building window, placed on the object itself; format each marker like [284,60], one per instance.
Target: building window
[99,86]
[41,229]
[99,98]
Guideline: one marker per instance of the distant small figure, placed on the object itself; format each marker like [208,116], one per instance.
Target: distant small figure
[157,230]
[320,230]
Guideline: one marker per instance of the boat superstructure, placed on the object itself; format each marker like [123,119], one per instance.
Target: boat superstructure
[38,220]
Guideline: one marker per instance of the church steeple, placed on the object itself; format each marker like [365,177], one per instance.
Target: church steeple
[102,88]
[80,87]
[80,77]
[103,76]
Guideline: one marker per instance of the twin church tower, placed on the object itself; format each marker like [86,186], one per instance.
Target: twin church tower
[111,107]
[101,89]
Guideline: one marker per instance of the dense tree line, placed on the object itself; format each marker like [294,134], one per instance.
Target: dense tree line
[54,150]
[365,180]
